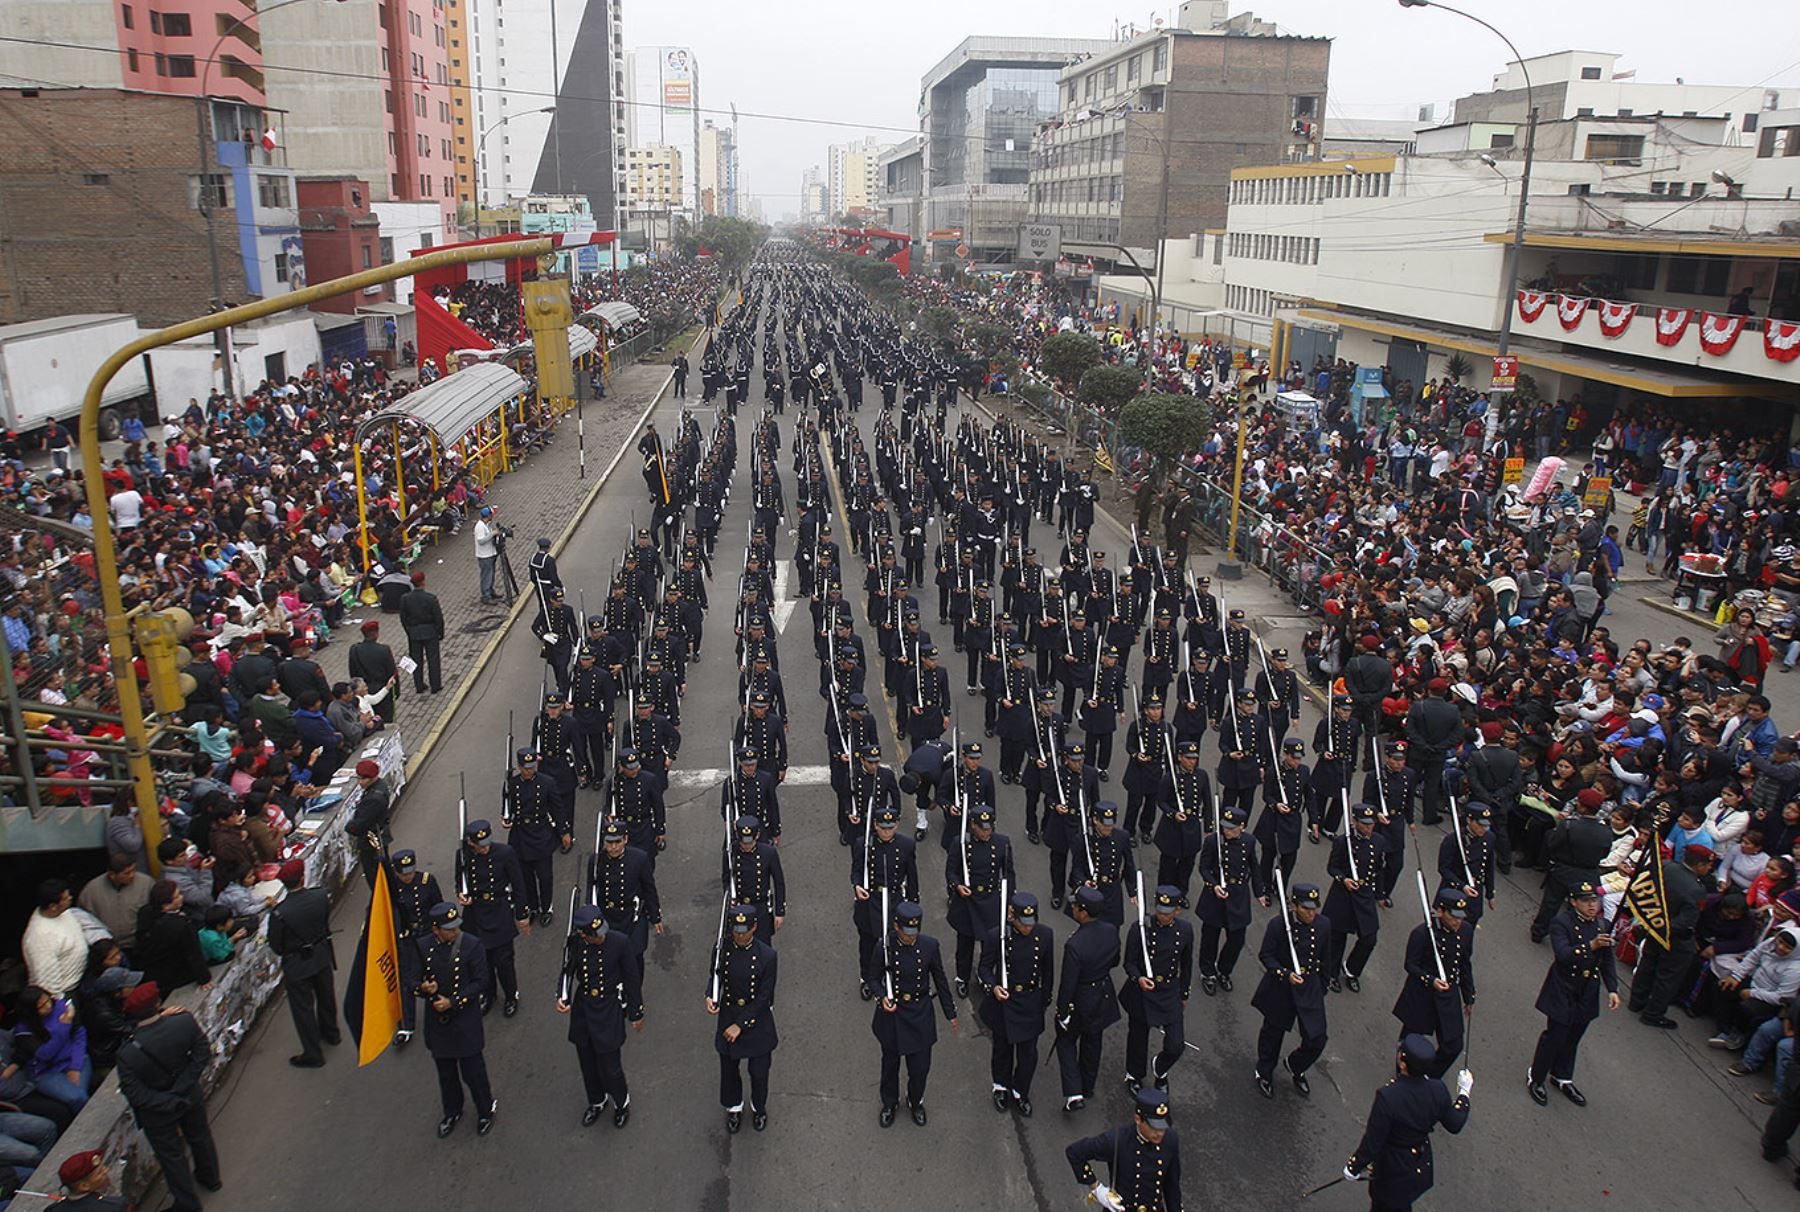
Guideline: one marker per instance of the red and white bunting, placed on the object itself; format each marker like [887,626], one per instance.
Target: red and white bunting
[1719,333]
[1781,339]
[579,239]
[1531,304]
[1569,310]
[1615,318]
[1671,323]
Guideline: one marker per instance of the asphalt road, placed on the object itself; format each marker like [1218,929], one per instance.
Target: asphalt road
[1665,1128]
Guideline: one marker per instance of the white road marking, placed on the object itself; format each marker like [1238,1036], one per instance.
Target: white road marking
[784,606]
[798,776]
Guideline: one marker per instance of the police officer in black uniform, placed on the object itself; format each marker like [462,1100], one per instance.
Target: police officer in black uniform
[973,869]
[880,859]
[621,882]
[601,990]
[753,877]
[1439,993]
[1018,993]
[1143,1159]
[905,971]
[1353,906]
[740,993]
[1086,1002]
[1394,1155]
[454,971]
[1159,975]
[1230,876]
[491,890]
[537,827]
[1570,997]
[415,892]
[300,933]
[1287,995]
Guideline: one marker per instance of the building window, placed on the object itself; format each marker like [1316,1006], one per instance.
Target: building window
[1112,78]
[393,144]
[281,267]
[272,192]
[388,99]
[131,59]
[1626,113]
[1750,124]
[1615,147]
[1159,57]
[419,106]
[415,25]
[210,191]
[1134,70]
[385,62]
[155,22]
[449,188]
[424,145]
[95,179]
[394,178]
[181,66]
[368,255]
[125,16]
[1590,73]
[1586,111]
[177,25]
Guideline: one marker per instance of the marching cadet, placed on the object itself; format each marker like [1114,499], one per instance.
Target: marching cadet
[760,732]
[621,883]
[752,874]
[602,989]
[1196,696]
[1100,709]
[741,995]
[1047,632]
[763,678]
[880,860]
[553,735]
[977,633]
[926,699]
[415,893]
[751,791]
[1237,640]
[1072,788]
[1146,765]
[1159,975]
[964,783]
[1038,777]
[973,871]
[1286,792]
[537,827]
[654,739]
[1353,906]
[592,693]
[1337,740]
[1143,1160]
[636,802]
[1086,1002]
[1108,862]
[1466,863]
[453,979]
[1018,993]
[541,569]
[1229,877]
[1389,789]
[1278,694]
[1079,654]
[557,631]
[1184,794]
[1014,688]
[1570,997]
[1161,652]
[658,683]
[1204,617]
[907,969]
[1240,752]
[1439,992]
[497,911]
[1394,1155]
[1286,995]
[870,786]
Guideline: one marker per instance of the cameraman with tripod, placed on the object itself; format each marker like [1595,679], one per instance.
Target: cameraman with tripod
[490,552]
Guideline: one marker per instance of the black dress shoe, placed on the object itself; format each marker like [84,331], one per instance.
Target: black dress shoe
[1023,1104]
[447,1125]
[1536,1089]
[545,916]
[1658,1020]
[211,1184]
[1034,837]
[592,1114]
[1387,902]
[1224,982]
[1334,985]
[1573,1093]
[1104,777]
[1000,1100]
[918,1114]
[1209,985]
[759,1120]
[886,1119]
[962,988]
[1133,1084]
[332,1041]
[920,835]
[622,1114]
[1265,1087]
[733,1121]
[307,1062]
[485,1123]
[511,1008]
[1300,1082]
[867,993]
[1056,900]
[1352,982]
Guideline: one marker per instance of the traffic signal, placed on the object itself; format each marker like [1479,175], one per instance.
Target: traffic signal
[162,639]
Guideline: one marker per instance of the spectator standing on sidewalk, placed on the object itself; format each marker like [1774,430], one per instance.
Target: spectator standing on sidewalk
[423,619]
[487,552]
[159,1074]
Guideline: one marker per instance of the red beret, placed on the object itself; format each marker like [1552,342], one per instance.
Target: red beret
[1590,797]
[372,625]
[418,578]
[78,1166]
[1437,685]
[1491,730]
[293,872]
[1371,642]
[368,769]
[142,999]
[1694,852]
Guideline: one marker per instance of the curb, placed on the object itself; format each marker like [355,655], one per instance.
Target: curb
[1669,608]
[415,761]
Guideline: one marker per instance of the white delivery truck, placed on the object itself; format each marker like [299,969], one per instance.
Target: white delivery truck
[45,366]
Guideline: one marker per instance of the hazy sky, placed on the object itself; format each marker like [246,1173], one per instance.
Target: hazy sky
[861,62]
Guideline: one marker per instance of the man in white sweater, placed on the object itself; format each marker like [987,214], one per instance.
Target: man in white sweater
[55,949]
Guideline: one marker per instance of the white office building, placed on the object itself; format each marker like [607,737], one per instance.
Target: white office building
[662,109]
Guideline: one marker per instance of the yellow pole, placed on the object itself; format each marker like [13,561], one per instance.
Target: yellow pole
[400,484]
[106,559]
[362,506]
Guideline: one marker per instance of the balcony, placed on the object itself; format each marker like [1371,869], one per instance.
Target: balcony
[1637,327]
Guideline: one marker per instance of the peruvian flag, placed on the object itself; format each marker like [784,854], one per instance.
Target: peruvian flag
[1615,318]
[1781,339]
[268,139]
[1569,310]
[1531,304]
[1671,322]
[1719,333]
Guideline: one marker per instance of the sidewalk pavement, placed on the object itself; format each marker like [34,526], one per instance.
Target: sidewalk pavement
[543,496]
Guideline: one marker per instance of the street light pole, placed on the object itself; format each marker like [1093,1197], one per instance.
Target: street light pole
[1514,250]
[481,144]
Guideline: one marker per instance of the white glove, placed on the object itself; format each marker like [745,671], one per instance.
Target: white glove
[1106,1197]
[1354,1177]
[1465,1082]
[550,638]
